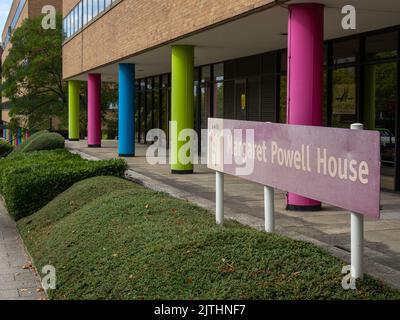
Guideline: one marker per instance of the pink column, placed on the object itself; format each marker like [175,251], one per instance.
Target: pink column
[94,110]
[305,77]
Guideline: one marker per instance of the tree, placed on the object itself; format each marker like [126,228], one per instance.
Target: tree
[32,74]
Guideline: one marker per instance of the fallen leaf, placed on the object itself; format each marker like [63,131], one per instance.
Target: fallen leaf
[27,266]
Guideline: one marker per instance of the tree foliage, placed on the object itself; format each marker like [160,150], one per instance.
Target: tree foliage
[32,73]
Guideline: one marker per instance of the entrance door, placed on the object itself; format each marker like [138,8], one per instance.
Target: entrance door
[240,100]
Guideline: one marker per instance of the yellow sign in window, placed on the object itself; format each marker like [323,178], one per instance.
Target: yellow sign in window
[243,101]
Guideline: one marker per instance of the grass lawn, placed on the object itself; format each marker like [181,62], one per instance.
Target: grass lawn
[112,239]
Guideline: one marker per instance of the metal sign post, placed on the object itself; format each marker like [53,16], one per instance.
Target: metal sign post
[269,207]
[219,194]
[357,234]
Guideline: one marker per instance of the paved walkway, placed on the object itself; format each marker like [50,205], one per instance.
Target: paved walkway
[244,202]
[18,280]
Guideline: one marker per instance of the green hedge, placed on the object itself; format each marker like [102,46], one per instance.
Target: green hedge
[5,148]
[30,182]
[26,160]
[42,140]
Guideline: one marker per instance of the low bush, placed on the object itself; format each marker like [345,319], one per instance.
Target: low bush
[5,148]
[30,182]
[41,140]
[26,160]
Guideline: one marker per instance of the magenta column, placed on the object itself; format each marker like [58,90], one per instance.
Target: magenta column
[94,110]
[305,77]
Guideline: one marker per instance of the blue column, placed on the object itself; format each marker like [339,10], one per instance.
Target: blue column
[126,110]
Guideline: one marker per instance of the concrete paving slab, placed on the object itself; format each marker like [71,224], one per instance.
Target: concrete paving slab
[14,279]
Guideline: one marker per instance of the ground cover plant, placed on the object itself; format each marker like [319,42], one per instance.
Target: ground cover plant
[119,240]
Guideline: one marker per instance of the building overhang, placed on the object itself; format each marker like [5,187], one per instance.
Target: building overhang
[256,33]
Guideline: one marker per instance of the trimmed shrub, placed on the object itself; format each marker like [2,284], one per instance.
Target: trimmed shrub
[21,146]
[5,148]
[29,185]
[27,160]
[41,140]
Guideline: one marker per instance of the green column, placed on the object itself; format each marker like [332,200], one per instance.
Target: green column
[182,103]
[73,110]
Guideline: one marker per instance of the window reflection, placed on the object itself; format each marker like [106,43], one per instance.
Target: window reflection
[82,14]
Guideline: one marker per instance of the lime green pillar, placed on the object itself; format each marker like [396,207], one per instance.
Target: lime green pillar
[73,110]
[182,107]
[370,97]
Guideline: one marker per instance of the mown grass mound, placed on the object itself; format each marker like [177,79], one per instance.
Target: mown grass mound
[42,140]
[5,148]
[73,199]
[140,244]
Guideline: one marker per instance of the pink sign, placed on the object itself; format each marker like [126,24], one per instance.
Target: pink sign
[340,167]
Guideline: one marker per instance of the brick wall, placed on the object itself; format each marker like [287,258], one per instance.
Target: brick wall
[35,6]
[136,25]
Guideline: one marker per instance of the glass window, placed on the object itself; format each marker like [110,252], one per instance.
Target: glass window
[101,6]
[95,8]
[73,22]
[218,91]
[156,97]
[283,61]
[69,25]
[380,104]
[142,110]
[344,111]
[65,28]
[90,10]
[282,99]
[205,74]
[219,72]
[108,3]
[345,51]
[149,104]
[85,12]
[164,104]
[382,46]
[219,99]
[79,12]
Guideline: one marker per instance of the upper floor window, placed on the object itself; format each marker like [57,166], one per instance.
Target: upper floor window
[82,14]
[14,21]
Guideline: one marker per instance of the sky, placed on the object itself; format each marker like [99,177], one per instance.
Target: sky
[5,6]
